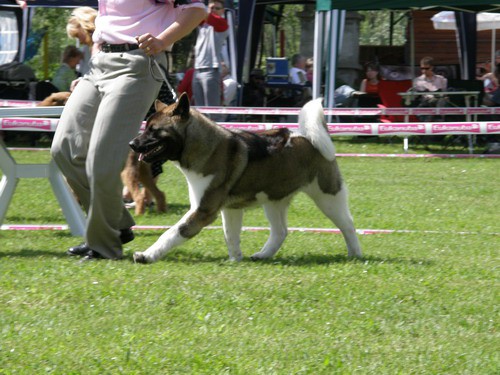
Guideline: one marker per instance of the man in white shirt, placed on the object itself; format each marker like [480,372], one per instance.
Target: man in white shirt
[297,71]
[429,82]
[298,76]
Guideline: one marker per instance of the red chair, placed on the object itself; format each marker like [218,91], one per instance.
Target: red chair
[388,92]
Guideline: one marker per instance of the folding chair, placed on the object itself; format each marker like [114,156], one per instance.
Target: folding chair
[388,92]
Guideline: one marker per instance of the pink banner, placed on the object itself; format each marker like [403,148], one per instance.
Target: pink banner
[14,123]
[493,127]
[17,103]
[479,111]
[412,128]
[251,127]
[350,128]
[424,111]
[452,111]
[447,127]
[397,111]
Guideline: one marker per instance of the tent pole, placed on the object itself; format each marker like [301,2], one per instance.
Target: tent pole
[493,48]
[412,45]
[319,43]
[232,46]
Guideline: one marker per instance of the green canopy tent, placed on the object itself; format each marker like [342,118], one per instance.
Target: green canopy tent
[457,5]
[329,23]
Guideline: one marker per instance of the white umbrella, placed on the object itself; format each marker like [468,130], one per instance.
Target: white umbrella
[485,21]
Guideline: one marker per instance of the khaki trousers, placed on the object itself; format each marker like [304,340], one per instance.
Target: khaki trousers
[90,145]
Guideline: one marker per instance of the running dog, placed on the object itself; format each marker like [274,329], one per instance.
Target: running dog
[228,170]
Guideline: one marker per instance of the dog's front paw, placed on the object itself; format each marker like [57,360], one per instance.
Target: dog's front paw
[141,258]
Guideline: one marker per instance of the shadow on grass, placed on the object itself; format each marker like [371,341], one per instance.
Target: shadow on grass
[34,253]
[185,257]
[173,209]
[325,259]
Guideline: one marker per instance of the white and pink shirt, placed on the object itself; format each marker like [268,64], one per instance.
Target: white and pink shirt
[120,21]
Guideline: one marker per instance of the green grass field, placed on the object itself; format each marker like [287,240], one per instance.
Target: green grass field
[421,302]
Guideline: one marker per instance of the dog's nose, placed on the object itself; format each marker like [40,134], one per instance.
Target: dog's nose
[132,145]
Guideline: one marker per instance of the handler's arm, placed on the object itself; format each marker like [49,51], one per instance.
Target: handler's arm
[187,20]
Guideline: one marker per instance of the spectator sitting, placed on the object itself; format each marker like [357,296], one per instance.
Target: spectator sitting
[298,76]
[297,71]
[254,92]
[369,88]
[66,73]
[369,85]
[492,97]
[429,82]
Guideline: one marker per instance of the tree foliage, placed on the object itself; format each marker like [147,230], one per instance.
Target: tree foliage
[375,28]
[52,23]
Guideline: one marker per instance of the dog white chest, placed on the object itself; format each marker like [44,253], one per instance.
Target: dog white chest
[197,185]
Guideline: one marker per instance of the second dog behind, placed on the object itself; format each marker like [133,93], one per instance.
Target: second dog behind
[134,173]
[138,173]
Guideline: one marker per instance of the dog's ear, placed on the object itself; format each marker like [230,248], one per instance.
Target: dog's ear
[159,105]
[182,106]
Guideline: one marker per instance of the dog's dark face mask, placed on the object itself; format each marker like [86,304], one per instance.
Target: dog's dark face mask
[161,140]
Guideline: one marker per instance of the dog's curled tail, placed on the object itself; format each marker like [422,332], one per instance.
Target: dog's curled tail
[312,125]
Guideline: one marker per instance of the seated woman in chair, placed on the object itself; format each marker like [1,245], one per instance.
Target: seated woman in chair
[368,94]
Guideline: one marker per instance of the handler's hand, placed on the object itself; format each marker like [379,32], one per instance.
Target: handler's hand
[74,83]
[150,44]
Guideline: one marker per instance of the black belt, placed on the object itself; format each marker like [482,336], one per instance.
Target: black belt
[206,69]
[106,47]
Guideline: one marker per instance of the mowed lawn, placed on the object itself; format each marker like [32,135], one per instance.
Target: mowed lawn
[424,300]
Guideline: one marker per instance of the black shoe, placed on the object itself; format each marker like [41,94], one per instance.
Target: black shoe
[92,255]
[79,250]
[126,235]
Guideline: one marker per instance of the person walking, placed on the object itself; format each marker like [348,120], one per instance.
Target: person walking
[107,107]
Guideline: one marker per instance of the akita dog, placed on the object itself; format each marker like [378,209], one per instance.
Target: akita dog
[228,170]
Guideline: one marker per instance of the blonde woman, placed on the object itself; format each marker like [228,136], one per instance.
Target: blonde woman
[81,26]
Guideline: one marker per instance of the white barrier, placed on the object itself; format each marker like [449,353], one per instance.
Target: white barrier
[356,129]
[28,108]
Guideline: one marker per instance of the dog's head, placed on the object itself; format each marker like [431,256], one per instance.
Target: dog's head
[163,137]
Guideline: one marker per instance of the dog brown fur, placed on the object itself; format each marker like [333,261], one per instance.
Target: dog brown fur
[136,173]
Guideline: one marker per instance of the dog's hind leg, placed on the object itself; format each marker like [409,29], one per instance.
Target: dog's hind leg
[276,213]
[232,220]
[335,207]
